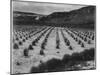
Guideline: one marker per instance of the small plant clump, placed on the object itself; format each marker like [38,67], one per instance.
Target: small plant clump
[23,40]
[15,46]
[41,52]
[20,43]
[70,47]
[25,52]
[30,47]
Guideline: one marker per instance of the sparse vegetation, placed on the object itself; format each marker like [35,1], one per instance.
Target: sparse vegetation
[15,46]
[57,40]
[37,40]
[20,43]
[25,52]
[54,65]
[30,47]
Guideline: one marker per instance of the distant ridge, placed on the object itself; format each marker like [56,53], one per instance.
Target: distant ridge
[25,18]
[26,13]
[83,17]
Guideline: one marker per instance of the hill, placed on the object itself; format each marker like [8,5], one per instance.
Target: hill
[25,18]
[83,17]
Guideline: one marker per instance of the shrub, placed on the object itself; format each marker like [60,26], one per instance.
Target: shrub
[66,58]
[70,47]
[20,43]
[17,38]
[25,52]
[15,46]
[34,70]
[43,46]
[86,55]
[57,47]
[79,42]
[30,47]
[23,40]
[33,43]
[41,52]
[26,38]
[54,65]
[21,37]
[29,36]
[18,63]
[92,37]
[82,45]
[76,39]
[89,41]
[57,40]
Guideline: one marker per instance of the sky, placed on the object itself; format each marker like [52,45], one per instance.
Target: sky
[43,8]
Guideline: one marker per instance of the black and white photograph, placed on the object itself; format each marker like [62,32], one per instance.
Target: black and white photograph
[52,37]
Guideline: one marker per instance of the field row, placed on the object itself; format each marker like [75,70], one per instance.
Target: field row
[40,44]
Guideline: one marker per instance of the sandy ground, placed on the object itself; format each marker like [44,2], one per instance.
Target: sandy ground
[22,64]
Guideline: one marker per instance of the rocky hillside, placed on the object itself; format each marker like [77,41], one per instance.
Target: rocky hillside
[84,17]
[25,18]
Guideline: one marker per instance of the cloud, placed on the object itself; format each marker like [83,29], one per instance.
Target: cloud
[42,8]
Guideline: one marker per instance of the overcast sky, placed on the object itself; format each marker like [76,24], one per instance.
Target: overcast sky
[43,8]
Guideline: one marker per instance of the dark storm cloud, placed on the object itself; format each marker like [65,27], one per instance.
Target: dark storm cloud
[42,8]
